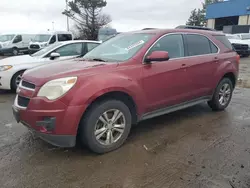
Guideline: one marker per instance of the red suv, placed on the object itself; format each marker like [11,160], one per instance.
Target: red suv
[129,78]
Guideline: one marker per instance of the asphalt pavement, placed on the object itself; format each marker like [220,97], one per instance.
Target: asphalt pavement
[192,148]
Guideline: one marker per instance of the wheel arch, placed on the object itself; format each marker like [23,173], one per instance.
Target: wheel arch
[13,76]
[232,77]
[118,95]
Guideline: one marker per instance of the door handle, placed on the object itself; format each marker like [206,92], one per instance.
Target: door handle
[183,65]
[216,59]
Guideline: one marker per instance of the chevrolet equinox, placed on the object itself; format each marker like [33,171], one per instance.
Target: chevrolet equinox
[129,78]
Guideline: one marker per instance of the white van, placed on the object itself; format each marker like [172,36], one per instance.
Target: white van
[14,43]
[42,40]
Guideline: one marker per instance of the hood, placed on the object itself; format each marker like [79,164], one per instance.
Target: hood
[6,43]
[19,60]
[44,73]
[39,43]
[237,41]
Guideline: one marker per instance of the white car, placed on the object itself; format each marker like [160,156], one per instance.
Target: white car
[12,68]
[242,47]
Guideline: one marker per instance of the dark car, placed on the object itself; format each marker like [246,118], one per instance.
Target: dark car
[129,78]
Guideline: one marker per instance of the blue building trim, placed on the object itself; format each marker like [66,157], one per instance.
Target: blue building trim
[228,8]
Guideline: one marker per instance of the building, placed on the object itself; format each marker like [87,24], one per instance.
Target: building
[230,12]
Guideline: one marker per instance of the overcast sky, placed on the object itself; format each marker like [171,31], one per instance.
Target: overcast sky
[38,15]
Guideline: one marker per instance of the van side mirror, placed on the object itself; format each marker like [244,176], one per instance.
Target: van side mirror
[157,56]
[54,55]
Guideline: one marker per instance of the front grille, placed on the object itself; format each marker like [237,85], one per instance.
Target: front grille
[240,46]
[34,46]
[23,101]
[28,84]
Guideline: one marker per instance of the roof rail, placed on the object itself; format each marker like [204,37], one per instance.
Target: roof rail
[194,27]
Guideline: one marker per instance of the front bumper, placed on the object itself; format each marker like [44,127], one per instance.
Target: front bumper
[5,79]
[52,121]
[32,51]
[243,52]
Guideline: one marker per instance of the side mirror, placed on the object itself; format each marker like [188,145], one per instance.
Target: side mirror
[157,56]
[54,55]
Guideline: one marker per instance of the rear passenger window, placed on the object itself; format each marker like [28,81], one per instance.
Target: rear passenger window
[197,45]
[173,44]
[214,49]
[223,39]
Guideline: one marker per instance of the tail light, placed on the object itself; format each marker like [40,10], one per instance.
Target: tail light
[238,59]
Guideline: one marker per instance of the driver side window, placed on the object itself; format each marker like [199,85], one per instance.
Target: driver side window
[17,39]
[173,44]
[70,50]
[52,40]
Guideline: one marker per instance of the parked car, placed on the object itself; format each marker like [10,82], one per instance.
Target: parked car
[43,40]
[14,43]
[100,97]
[242,47]
[12,68]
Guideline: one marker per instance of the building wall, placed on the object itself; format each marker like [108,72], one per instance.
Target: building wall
[211,23]
[228,8]
[244,20]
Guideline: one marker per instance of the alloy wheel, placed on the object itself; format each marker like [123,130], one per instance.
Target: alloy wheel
[224,94]
[110,127]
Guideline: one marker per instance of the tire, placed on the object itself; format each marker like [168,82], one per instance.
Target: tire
[91,127]
[15,51]
[219,102]
[14,82]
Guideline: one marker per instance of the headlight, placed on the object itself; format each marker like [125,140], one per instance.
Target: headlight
[5,44]
[44,45]
[56,88]
[5,67]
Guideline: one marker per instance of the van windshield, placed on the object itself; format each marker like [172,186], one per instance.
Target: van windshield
[119,48]
[41,38]
[245,37]
[5,38]
[45,50]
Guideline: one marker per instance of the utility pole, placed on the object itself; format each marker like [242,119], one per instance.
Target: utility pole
[67,15]
[53,26]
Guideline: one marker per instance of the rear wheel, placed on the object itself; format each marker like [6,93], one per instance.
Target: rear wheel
[222,95]
[106,126]
[16,79]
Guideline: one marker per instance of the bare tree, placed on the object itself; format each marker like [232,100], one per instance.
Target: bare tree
[88,16]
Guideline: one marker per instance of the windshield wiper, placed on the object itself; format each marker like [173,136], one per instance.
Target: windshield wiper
[98,59]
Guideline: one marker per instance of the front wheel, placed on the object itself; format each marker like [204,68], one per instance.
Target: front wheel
[222,95]
[16,79]
[15,51]
[106,126]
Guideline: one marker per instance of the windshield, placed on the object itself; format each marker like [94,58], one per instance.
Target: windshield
[120,48]
[233,37]
[104,37]
[44,51]
[4,38]
[245,37]
[41,38]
